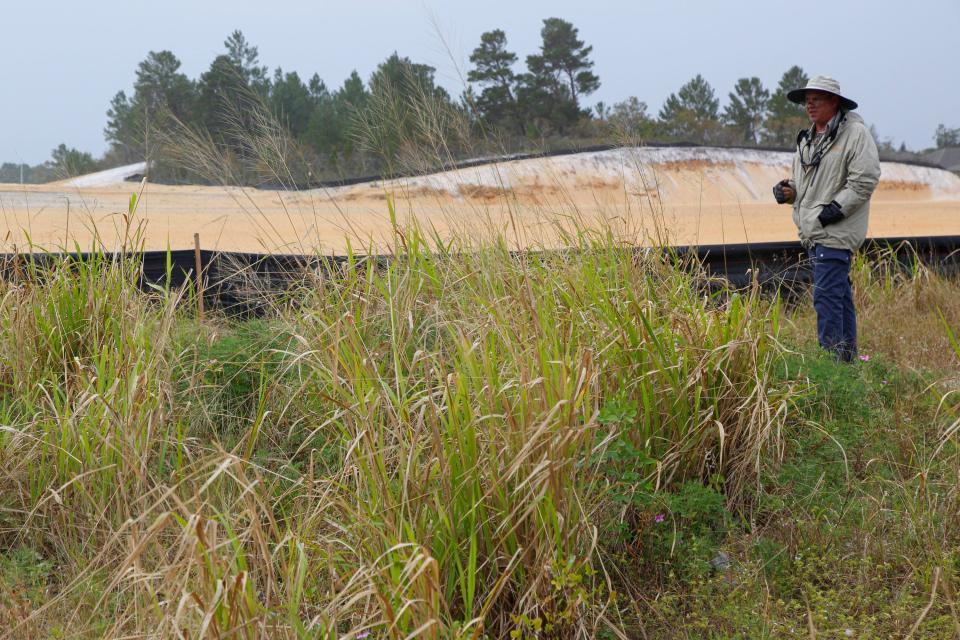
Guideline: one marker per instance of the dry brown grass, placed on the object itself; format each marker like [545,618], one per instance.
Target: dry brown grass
[902,314]
[424,457]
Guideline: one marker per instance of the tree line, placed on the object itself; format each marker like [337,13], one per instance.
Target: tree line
[387,122]
[237,122]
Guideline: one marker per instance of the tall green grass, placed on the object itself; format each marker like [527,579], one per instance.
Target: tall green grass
[85,385]
[425,448]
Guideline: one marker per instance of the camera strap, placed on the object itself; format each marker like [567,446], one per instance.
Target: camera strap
[808,137]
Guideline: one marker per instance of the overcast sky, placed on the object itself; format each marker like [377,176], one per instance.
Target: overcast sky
[64,60]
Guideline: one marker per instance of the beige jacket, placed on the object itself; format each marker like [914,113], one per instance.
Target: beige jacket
[848,172]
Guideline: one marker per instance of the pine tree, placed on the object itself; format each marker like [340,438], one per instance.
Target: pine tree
[493,71]
[565,58]
[692,113]
[291,102]
[159,92]
[69,162]
[331,130]
[326,130]
[120,131]
[406,109]
[160,84]
[784,118]
[246,57]
[883,145]
[557,77]
[548,93]
[318,89]
[224,99]
[946,137]
[353,93]
[747,109]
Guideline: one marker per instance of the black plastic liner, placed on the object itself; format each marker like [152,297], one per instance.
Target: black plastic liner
[245,283]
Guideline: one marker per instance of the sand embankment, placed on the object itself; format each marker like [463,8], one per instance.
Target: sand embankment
[695,195]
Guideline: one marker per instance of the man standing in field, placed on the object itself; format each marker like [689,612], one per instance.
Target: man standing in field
[835,170]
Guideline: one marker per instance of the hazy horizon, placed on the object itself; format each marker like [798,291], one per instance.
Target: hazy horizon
[73,58]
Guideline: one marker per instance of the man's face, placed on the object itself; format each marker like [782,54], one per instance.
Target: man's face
[821,106]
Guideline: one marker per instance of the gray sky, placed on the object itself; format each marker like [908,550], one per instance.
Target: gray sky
[64,60]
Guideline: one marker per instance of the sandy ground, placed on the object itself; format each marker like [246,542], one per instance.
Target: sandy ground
[687,196]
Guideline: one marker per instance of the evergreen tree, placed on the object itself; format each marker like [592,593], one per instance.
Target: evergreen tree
[121,129]
[318,89]
[326,129]
[692,113]
[406,78]
[332,129]
[493,71]
[292,102]
[946,137]
[884,145]
[246,57]
[68,162]
[603,111]
[544,106]
[557,77]
[223,101]
[747,109]
[404,108]
[784,118]
[160,91]
[160,85]
[353,93]
[565,58]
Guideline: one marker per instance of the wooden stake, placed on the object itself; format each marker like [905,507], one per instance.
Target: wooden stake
[198,271]
[15,276]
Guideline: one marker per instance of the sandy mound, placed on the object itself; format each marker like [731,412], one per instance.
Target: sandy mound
[697,195]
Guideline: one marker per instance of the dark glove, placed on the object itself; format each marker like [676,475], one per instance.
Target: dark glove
[830,214]
[778,191]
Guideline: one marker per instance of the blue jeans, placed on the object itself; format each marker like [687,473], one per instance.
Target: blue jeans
[833,301]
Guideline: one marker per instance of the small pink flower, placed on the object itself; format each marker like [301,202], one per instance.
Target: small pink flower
[865,358]
[658,518]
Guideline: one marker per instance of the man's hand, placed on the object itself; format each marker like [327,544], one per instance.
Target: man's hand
[830,214]
[783,192]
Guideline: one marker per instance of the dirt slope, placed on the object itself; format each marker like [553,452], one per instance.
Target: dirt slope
[690,195]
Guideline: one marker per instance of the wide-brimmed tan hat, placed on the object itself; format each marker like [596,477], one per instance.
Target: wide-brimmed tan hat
[822,83]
